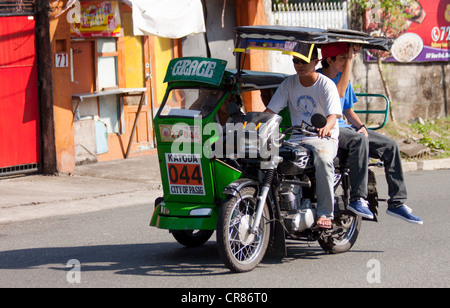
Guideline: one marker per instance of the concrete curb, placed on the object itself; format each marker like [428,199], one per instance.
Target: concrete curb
[435,164]
[423,165]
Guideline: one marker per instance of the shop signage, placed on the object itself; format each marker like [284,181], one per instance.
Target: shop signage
[95,19]
[423,36]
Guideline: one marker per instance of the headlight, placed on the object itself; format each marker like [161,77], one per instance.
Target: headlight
[201,212]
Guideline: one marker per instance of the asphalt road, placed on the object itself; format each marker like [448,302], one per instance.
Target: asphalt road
[117,248]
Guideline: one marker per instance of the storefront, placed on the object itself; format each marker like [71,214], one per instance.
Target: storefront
[102,83]
[111,106]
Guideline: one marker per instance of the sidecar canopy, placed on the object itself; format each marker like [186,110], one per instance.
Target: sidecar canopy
[299,41]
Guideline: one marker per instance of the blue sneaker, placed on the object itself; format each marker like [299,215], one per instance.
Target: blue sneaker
[360,207]
[405,213]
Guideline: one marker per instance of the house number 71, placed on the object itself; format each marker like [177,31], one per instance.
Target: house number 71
[61,59]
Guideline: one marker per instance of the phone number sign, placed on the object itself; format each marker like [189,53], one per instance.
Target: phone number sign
[184,172]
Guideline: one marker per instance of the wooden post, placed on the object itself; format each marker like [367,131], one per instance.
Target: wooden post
[45,85]
[133,131]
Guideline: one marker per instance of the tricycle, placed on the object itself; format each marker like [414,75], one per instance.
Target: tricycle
[235,172]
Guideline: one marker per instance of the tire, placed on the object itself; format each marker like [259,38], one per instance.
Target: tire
[345,229]
[239,250]
[192,238]
[343,235]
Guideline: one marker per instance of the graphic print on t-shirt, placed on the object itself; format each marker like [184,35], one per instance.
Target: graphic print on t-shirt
[307,105]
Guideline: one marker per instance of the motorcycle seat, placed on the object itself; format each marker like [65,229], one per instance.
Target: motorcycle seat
[341,159]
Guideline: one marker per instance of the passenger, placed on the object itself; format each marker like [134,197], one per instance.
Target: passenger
[307,93]
[236,116]
[363,143]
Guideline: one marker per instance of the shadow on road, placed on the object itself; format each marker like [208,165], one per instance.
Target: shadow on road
[155,259]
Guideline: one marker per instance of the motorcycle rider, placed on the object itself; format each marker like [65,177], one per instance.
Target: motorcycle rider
[307,93]
[363,143]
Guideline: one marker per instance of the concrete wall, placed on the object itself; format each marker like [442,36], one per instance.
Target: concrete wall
[221,40]
[418,90]
[62,91]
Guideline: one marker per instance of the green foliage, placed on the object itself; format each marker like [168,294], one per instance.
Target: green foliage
[435,133]
[384,4]
[392,14]
[432,133]
[297,1]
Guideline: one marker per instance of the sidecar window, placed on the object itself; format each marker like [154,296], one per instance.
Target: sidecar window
[190,102]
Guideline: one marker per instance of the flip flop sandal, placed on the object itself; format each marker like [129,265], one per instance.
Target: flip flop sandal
[324,223]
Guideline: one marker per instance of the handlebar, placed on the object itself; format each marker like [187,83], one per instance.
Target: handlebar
[307,131]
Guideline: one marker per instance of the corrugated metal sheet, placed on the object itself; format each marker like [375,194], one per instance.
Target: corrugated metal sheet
[19,107]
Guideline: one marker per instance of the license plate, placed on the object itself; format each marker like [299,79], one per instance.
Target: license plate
[184,172]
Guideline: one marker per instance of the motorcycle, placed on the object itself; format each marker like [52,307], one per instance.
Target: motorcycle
[245,180]
[269,205]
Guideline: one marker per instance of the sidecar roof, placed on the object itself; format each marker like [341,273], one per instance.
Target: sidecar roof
[250,80]
[298,41]
[310,36]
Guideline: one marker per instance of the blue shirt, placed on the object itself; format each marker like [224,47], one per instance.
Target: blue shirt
[347,101]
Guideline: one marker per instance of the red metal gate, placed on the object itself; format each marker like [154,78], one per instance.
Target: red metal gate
[19,104]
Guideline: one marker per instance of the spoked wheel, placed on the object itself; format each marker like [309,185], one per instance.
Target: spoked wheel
[241,250]
[345,229]
[343,235]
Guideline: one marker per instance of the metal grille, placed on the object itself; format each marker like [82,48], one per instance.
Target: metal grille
[27,168]
[324,15]
[18,7]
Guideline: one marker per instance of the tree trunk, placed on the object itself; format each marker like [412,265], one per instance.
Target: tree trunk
[386,89]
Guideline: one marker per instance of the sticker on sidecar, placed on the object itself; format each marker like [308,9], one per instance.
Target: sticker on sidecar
[205,70]
[184,173]
[180,133]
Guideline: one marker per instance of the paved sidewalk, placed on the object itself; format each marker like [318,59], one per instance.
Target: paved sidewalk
[90,187]
[101,186]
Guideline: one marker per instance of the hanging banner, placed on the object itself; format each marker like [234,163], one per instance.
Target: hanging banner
[423,35]
[169,18]
[95,19]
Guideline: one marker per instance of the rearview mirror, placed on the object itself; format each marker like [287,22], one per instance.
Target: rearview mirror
[318,120]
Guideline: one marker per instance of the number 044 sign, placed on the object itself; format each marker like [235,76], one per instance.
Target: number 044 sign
[184,173]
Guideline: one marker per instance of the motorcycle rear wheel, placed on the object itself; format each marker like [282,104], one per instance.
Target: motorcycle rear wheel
[240,250]
[343,235]
[345,227]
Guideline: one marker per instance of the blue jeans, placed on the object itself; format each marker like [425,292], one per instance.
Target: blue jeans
[324,151]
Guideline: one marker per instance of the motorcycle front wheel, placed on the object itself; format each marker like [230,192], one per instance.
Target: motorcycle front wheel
[239,249]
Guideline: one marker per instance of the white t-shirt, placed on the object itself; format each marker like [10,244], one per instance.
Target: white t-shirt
[322,97]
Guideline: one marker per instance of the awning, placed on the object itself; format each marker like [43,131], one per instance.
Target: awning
[167,18]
